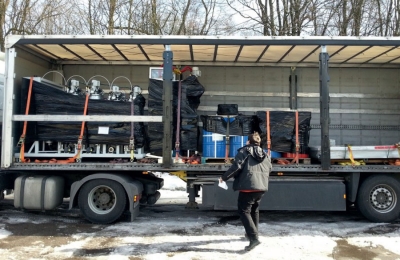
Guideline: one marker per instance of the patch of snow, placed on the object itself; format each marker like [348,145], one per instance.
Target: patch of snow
[3,232]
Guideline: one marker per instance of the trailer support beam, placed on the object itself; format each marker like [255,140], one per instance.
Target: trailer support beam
[324,108]
[167,106]
[193,191]
[293,88]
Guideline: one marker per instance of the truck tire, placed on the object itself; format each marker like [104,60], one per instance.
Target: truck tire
[102,201]
[378,198]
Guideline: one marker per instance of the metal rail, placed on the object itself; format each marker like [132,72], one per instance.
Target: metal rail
[207,169]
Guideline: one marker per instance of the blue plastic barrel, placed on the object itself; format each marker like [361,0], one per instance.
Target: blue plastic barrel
[236,142]
[214,145]
[274,154]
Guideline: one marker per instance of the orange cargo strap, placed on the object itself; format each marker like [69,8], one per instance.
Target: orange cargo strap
[268,134]
[397,161]
[21,141]
[79,147]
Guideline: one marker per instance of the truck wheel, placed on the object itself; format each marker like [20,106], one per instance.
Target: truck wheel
[102,201]
[378,198]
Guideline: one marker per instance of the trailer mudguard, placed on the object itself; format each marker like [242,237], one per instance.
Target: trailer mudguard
[132,187]
[352,183]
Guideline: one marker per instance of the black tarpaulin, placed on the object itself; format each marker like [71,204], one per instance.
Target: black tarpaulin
[50,100]
[283,131]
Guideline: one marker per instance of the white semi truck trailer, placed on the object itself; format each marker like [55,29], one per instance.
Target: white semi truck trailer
[349,87]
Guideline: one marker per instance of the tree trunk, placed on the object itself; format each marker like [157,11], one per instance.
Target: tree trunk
[111,13]
[3,9]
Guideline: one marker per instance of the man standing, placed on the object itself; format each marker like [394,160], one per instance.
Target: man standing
[251,170]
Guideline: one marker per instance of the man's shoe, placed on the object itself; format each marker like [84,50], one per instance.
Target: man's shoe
[252,245]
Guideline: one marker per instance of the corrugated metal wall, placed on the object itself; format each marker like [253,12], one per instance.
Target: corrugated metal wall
[359,96]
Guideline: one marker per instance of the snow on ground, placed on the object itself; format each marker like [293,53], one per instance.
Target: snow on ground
[3,233]
[168,231]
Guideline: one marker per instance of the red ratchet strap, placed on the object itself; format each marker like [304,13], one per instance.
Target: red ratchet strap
[132,138]
[21,141]
[186,68]
[268,134]
[296,159]
[178,121]
[227,140]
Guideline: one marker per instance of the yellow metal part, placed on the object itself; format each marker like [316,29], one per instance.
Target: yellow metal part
[361,162]
[181,174]
[177,71]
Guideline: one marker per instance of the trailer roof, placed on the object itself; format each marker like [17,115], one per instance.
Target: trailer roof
[211,50]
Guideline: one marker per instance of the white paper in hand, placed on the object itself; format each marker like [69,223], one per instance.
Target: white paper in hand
[222,185]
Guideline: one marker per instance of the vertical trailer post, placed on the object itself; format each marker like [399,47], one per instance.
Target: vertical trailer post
[293,88]
[8,109]
[167,106]
[324,108]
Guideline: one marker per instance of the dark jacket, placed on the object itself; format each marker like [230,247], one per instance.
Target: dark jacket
[250,169]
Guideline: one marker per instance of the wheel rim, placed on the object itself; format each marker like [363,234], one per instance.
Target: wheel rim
[102,199]
[383,198]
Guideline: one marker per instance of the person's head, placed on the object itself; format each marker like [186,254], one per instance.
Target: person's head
[254,139]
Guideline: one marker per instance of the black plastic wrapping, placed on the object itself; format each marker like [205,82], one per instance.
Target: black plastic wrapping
[155,136]
[283,131]
[191,91]
[227,109]
[50,100]
[239,125]
[194,91]
[189,132]
[188,139]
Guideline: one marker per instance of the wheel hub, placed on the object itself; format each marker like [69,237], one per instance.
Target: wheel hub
[382,198]
[102,199]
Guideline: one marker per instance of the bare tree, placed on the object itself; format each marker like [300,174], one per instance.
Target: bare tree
[269,17]
[396,21]
[200,17]
[3,8]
